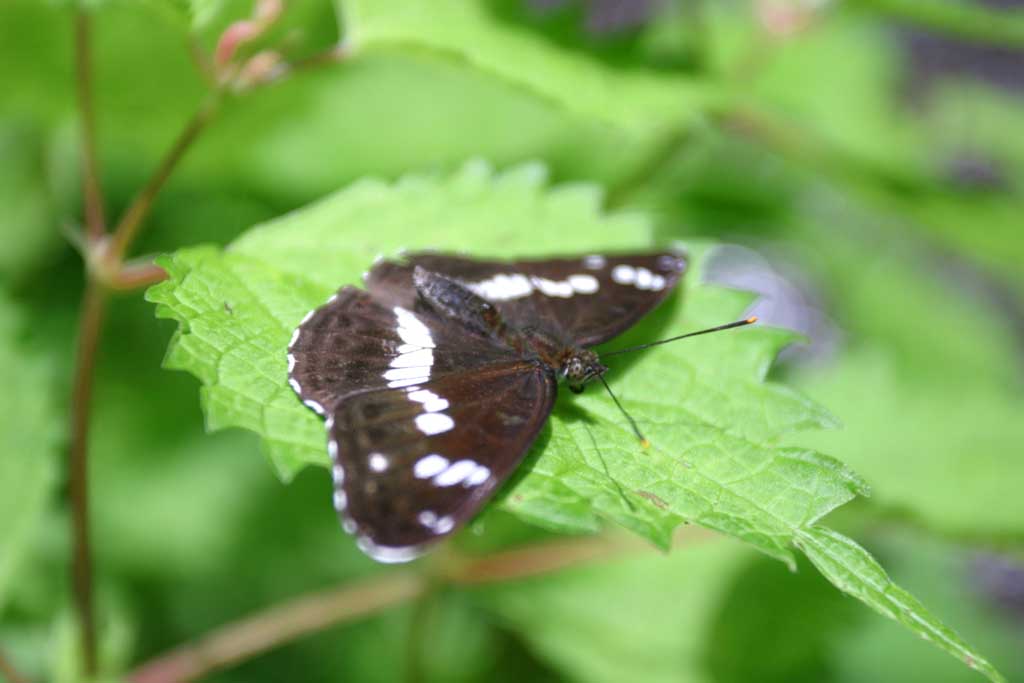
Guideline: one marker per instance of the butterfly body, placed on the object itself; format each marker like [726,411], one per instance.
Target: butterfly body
[437,378]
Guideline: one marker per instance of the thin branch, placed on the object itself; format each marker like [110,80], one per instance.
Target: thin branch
[328,57]
[93,196]
[130,223]
[265,630]
[137,275]
[8,671]
[274,627]
[89,328]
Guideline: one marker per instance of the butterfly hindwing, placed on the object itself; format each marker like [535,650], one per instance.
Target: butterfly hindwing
[425,418]
[590,299]
[412,465]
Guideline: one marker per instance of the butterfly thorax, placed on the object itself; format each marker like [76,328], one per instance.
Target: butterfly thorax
[450,298]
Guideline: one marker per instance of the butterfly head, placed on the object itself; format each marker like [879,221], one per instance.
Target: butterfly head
[580,367]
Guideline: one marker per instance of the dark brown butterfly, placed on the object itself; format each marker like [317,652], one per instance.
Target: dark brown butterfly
[437,377]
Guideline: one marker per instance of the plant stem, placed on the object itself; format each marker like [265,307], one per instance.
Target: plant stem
[265,630]
[274,627]
[128,227]
[971,21]
[93,196]
[137,275]
[89,328]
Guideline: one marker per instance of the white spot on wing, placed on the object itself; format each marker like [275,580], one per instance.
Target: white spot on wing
[502,287]
[427,518]
[340,500]
[296,387]
[388,554]
[411,329]
[455,473]
[477,476]
[434,423]
[644,278]
[418,358]
[671,262]
[378,462]
[439,525]
[291,363]
[295,337]
[432,403]
[624,274]
[594,262]
[584,284]
[429,465]
[553,288]
[419,373]
[317,408]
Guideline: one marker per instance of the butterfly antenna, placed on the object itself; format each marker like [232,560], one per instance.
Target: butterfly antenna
[632,423]
[739,323]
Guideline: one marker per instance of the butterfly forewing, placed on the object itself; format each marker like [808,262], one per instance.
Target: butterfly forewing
[355,343]
[589,299]
[425,418]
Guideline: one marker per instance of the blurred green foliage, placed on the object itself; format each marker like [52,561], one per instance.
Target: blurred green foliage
[897,205]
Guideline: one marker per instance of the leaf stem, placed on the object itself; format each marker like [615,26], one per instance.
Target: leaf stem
[93,196]
[262,631]
[89,328]
[137,275]
[128,227]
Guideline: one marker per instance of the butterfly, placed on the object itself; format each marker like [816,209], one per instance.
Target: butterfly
[435,380]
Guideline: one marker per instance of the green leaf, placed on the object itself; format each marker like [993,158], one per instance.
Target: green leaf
[472,32]
[29,433]
[952,579]
[852,569]
[713,422]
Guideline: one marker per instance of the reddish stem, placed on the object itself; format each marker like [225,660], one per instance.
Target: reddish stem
[89,328]
[276,626]
[270,628]
[128,227]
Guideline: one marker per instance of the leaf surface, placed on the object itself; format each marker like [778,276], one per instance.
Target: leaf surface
[632,97]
